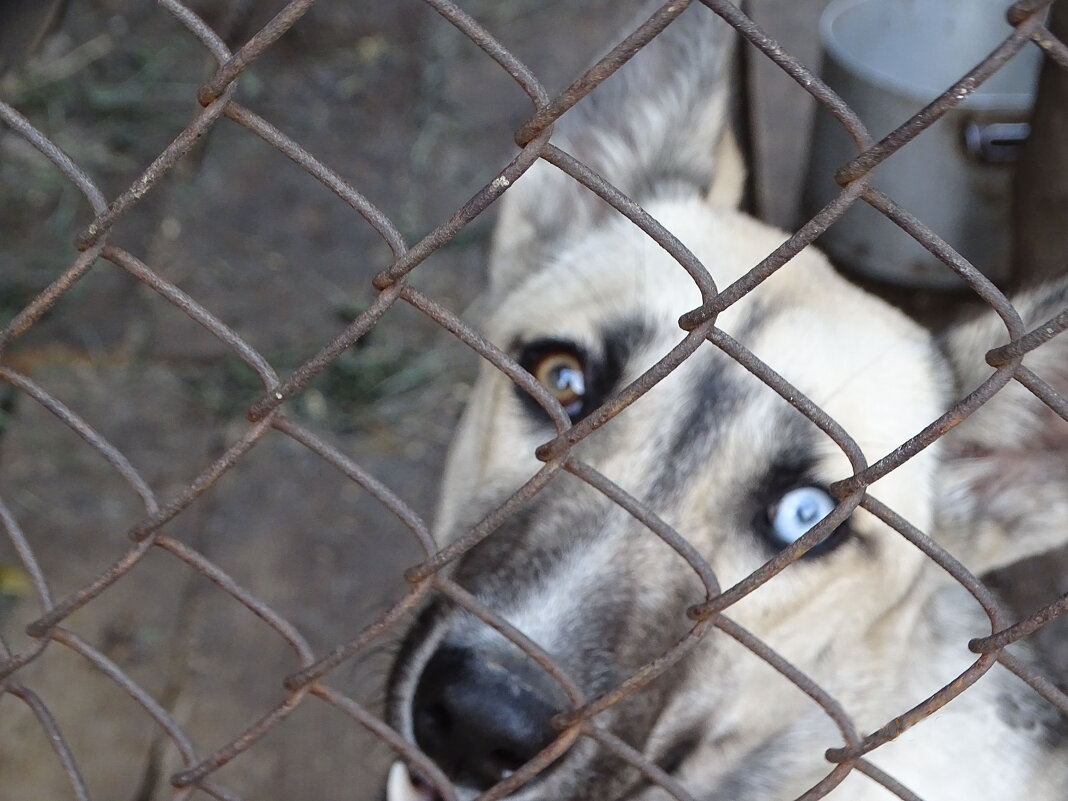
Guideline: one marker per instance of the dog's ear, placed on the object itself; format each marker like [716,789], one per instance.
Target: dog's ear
[1003,493]
[657,125]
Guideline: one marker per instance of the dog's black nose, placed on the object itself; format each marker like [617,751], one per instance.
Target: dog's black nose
[480,714]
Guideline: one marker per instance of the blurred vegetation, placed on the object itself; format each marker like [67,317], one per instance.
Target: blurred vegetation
[352,389]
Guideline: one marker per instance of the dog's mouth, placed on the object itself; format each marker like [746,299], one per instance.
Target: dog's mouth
[403,785]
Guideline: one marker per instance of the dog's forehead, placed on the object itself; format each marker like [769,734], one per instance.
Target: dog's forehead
[852,354]
[615,273]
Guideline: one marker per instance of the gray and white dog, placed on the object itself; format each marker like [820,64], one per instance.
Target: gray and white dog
[586,302]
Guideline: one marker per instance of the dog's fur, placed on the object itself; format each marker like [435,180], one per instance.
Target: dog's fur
[710,450]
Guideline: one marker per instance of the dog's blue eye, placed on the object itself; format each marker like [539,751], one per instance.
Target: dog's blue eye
[798,511]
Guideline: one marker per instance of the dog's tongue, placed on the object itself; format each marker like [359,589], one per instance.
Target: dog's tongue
[400,787]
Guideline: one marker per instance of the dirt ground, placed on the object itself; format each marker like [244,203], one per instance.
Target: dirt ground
[415,117]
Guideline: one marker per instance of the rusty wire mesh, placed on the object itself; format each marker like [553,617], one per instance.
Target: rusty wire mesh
[319,671]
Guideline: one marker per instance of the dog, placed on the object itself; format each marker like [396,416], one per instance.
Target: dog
[585,302]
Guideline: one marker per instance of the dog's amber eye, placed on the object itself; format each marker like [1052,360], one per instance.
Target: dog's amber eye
[561,372]
[563,368]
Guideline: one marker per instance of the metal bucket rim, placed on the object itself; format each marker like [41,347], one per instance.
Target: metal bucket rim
[979,100]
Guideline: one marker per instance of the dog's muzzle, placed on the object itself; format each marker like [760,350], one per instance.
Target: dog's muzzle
[480,714]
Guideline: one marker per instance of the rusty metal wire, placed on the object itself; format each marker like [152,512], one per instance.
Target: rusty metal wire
[201,763]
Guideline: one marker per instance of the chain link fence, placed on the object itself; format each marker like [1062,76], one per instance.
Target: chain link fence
[127,573]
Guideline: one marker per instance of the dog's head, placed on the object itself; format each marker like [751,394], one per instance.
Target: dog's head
[588,304]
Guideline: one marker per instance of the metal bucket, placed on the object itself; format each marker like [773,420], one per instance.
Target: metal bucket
[888,59]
